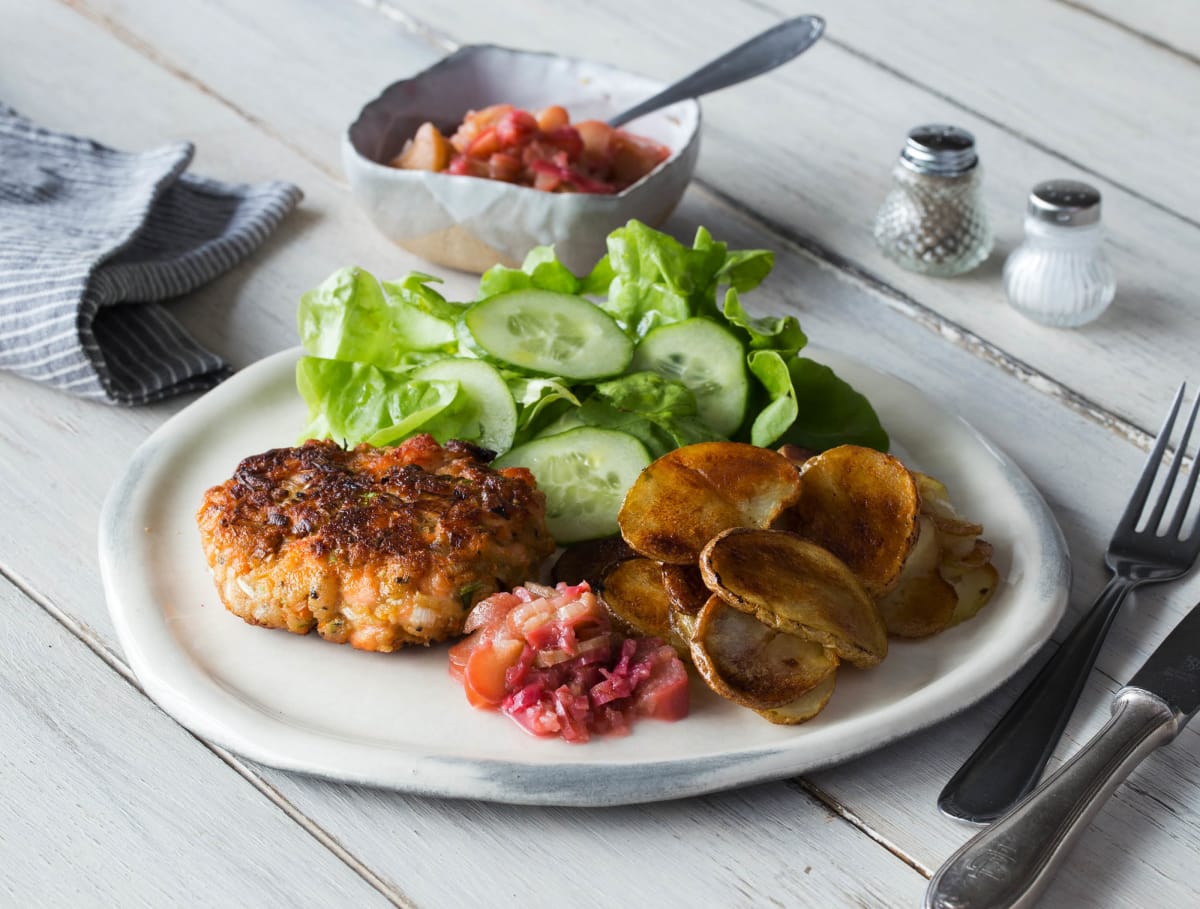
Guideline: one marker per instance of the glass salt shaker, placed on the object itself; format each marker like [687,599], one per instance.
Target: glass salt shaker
[933,220]
[1060,276]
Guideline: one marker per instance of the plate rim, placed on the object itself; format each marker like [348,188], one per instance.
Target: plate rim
[274,742]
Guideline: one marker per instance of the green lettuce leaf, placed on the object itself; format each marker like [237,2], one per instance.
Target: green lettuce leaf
[599,279]
[657,280]
[595,412]
[352,317]
[659,411]
[539,402]
[540,270]
[358,402]
[769,367]
[780,333]
[830,412]
[650,394]
[745,269]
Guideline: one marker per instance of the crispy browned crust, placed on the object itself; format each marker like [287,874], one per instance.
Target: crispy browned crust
[685,587]
[862,505]
[374,546]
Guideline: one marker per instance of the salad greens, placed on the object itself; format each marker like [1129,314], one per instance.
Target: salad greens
[387,360]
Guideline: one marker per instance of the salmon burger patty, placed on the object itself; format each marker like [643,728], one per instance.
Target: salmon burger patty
[375,547]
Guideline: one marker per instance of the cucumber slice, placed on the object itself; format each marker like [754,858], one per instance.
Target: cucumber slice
[585,474]
[708,360]
[484,412]
[549,333]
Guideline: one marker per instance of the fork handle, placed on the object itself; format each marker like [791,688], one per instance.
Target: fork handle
[1008,865]
[1008,763]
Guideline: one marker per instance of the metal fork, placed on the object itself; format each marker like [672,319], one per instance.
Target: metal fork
[1009,762]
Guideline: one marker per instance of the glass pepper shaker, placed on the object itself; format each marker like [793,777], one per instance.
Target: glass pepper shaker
[933,220]
[1059,275]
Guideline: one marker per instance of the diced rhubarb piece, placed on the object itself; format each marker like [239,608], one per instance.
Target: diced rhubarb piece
[503,166]
[490,611]
[461,165]
[483,146]
[485,671]
[567,139]
[516,128]
[664,693]
[460,653]
[546,180]
[568,176]
[634,157]
[474,123]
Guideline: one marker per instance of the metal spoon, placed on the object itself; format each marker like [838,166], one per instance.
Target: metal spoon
[762,53]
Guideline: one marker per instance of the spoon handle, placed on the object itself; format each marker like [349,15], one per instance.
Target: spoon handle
[776,46]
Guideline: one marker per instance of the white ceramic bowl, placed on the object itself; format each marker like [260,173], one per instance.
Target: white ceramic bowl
[472,223]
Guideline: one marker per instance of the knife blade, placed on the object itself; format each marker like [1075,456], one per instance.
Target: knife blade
[1011,862]
[1173,671]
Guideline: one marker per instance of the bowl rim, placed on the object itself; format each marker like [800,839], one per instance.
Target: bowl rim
[466,51]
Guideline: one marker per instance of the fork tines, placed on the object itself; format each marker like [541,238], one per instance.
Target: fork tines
[1141,497]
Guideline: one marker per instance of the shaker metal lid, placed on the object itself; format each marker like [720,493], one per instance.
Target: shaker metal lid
[1068,203]
[937,148]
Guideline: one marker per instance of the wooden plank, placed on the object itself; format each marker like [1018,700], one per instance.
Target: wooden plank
[277,49]
[250,314]
[767,845]
[1175,24]
[105,801]
[1049,73]
[821,193]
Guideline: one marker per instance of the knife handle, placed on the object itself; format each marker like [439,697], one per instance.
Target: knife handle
[1011,862]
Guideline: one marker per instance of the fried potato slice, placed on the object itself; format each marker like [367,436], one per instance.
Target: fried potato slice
[805,707]
[588,561]
[633,591]
[862,505]
[935,502]
[958,547]
[935,498]
[685,588]
[977,556]
[751,663]
[797,587]
[965,559]
[691,494]
[973,587]
[919,607]
[922,602]
[684,626]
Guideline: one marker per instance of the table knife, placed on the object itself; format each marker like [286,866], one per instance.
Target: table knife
[1011,862]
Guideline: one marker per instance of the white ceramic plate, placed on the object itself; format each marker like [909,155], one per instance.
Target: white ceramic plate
[399,721]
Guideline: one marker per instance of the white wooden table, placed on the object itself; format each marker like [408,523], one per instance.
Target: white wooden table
[104,800]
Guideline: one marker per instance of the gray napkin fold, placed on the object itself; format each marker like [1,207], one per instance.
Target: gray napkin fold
[92,238]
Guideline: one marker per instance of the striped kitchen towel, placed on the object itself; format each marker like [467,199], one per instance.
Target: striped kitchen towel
[91,239]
